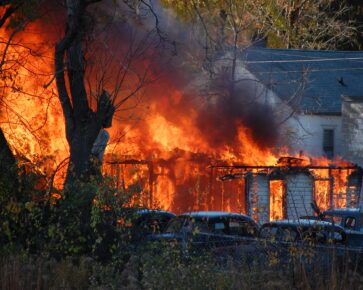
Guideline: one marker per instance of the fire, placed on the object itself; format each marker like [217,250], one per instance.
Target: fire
[31,117]
[277,200]
[164,155]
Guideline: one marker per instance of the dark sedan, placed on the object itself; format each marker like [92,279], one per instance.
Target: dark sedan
[351,219]
[208,229]
[311,242]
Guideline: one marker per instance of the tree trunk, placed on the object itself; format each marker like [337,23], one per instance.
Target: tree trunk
[82,124]
[81,167]
[6,155]
[8,169]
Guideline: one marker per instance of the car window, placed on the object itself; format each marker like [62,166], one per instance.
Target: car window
[241,228]
[151,226]
[153,223]
[314,236]
[289,235]
[201,226]
[337,219]
[335,236]
[218,227]
[269,232]
[174,226]
[349,222]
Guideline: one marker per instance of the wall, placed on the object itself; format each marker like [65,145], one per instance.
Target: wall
[302,132]
[305,132]
[299,188]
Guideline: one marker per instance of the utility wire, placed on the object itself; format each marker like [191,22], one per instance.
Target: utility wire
[305,60]
[307,70]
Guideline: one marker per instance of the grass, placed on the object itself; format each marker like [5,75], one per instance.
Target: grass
[168,269]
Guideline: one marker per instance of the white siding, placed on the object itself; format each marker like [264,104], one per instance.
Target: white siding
[306,133]
[299,188]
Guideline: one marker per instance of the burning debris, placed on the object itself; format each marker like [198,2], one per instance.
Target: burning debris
[169,147]
[284,190]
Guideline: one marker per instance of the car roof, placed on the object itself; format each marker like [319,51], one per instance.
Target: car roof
[155,211]
[215,214]
[345,211]
[301,222]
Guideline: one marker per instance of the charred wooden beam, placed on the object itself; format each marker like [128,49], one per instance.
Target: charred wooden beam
[129,161]
[284,167]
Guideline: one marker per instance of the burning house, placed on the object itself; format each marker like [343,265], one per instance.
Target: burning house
[248,175]
[182,152]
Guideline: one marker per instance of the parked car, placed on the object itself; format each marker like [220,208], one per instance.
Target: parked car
[152,221]
[312,232]
[351,219]
[208,229]
[312,242]
[137,224]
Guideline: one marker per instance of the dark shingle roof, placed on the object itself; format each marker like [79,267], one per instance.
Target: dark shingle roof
[328,75]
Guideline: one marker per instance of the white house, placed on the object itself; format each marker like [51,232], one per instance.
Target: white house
[308,87]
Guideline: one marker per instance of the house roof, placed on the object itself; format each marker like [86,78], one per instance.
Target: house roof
[320,77]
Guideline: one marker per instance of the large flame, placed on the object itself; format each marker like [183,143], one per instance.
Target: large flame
[31,117]
[163,151]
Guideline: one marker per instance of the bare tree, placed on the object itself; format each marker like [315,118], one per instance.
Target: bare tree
[85,67]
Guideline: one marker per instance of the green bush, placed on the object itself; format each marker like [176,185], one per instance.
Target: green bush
[81,223]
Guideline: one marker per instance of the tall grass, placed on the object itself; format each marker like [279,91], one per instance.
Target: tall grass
[171,269]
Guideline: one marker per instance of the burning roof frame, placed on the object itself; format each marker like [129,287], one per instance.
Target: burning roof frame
[231,172]
[278,172]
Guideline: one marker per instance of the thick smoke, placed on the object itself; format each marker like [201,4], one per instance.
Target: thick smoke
[220,120]
[175,59]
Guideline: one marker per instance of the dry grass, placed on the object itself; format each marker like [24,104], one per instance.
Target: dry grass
[168,270]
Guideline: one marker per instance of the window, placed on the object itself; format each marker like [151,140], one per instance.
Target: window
[241,228]
[174,226]
[289,235]
[328,142]
[350,223]
[270,232]
[312,236]
[337,219]
[201,226]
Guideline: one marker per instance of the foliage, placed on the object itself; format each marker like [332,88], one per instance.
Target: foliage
[168,269]
[304,24]
[20,11]
[75,243]
[173,268]
[34,222]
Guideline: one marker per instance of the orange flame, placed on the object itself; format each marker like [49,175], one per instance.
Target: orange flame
[171,150]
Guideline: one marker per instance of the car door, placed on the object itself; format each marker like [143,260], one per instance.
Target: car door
[352,229]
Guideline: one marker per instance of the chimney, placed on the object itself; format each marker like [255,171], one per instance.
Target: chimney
[352,129]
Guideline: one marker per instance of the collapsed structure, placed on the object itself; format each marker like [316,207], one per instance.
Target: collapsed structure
[285,190]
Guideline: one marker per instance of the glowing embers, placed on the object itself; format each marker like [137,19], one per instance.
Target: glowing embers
[277,196]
